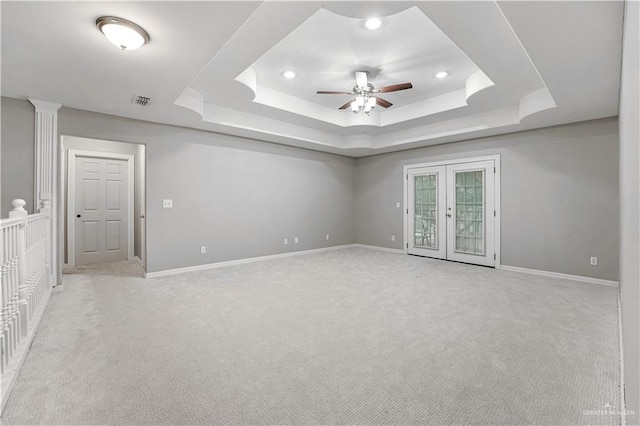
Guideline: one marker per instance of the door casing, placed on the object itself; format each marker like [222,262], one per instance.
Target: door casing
[495,158]
[71,199]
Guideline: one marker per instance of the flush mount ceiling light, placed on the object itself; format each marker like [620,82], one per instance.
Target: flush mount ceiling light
[289,74]
[372,23]
[122,33]
[442,74]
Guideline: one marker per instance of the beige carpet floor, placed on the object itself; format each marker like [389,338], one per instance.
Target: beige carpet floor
[353,336]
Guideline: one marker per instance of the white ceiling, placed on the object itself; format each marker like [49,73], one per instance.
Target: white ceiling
[218,66]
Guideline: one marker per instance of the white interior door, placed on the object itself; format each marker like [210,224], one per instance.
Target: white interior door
[451,211]
[101,210]
[471,213]
[426,210]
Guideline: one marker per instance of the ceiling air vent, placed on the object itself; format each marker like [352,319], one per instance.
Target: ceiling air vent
[140,100]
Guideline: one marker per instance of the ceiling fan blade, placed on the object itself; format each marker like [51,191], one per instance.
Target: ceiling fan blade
[345,106]
[361,79]
[329,92]
[395,87]
[383,102]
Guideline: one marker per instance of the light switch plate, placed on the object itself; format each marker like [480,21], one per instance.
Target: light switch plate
[167,204]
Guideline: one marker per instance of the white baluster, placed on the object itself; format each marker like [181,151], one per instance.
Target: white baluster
[4,314]
[22,289]
[13,286]
[49,270]
[33,265]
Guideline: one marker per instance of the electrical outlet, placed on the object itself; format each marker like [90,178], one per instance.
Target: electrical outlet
[203,250]
[593,261]
[167,204]
[326,237]
[393,238]
[295,240]
[398,205]
[286,241]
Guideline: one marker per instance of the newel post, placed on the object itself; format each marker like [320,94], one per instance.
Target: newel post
[23,289]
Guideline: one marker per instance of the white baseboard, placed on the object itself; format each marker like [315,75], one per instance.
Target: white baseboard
[623,406]
[241,261]
[387,249]
[13,368]
[559,275]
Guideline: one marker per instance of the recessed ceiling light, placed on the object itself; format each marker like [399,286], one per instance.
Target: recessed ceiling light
[124,34]
[289,74]
[373,23]
[442,74]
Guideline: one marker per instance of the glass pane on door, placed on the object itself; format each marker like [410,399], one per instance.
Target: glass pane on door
[469,216]
[425,233]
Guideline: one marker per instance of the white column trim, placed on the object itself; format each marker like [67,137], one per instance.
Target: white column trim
[46,164]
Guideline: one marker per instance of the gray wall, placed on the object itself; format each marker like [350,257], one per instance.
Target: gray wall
[559,196]
[17,154]
[630,208]
[238,197]
[99,146]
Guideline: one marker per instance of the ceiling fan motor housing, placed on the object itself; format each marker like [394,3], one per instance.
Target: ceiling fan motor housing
[358,90]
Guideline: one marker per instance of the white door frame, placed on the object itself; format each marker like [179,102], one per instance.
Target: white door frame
[496,160]
[142,163]
[142,188]
[71,198]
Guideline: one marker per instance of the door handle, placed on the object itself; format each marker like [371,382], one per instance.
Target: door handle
[78,215]
[448,214]
[141,216]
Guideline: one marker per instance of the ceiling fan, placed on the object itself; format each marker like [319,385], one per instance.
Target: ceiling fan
[365,94]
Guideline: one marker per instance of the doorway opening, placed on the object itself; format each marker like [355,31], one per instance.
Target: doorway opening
[452,210]
[104,201]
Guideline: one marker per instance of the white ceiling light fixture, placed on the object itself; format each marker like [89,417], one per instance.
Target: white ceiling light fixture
[373,23]
[363,102]
[122,33]
[442,74]
[289,74]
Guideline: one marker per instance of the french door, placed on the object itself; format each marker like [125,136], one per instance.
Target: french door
[451,211]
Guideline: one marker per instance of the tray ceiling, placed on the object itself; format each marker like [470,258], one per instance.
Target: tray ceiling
[219,66]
